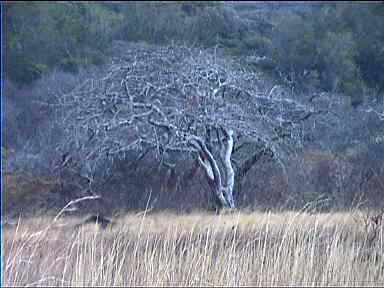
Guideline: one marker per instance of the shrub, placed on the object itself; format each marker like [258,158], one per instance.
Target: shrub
[259,43]
[41,37]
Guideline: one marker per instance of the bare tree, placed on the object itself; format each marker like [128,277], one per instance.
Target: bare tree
[179,101]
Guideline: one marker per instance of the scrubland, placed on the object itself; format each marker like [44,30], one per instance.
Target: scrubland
[197,249]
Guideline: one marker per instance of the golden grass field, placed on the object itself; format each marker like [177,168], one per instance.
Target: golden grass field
[165,249]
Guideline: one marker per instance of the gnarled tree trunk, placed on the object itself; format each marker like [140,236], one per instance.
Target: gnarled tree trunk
[221,180]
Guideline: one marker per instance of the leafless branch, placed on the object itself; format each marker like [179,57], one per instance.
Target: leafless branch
[174,99]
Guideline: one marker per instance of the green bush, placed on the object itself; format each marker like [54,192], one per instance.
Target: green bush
[42,36]
[259,43]
[336,47]
[341,46]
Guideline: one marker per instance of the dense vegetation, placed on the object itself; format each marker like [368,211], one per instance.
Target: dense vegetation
[337,47]
[328,54]
[150,112]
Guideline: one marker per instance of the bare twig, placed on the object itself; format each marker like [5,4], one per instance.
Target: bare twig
[72,202]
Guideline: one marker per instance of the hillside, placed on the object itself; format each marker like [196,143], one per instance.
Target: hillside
[132,110]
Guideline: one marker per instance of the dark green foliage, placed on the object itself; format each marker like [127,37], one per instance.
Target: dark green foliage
[203,23]
[68,35]
[336,46]
[259,43]
[41,36]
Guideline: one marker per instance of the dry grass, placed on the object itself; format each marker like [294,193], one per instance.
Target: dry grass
[238,249]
